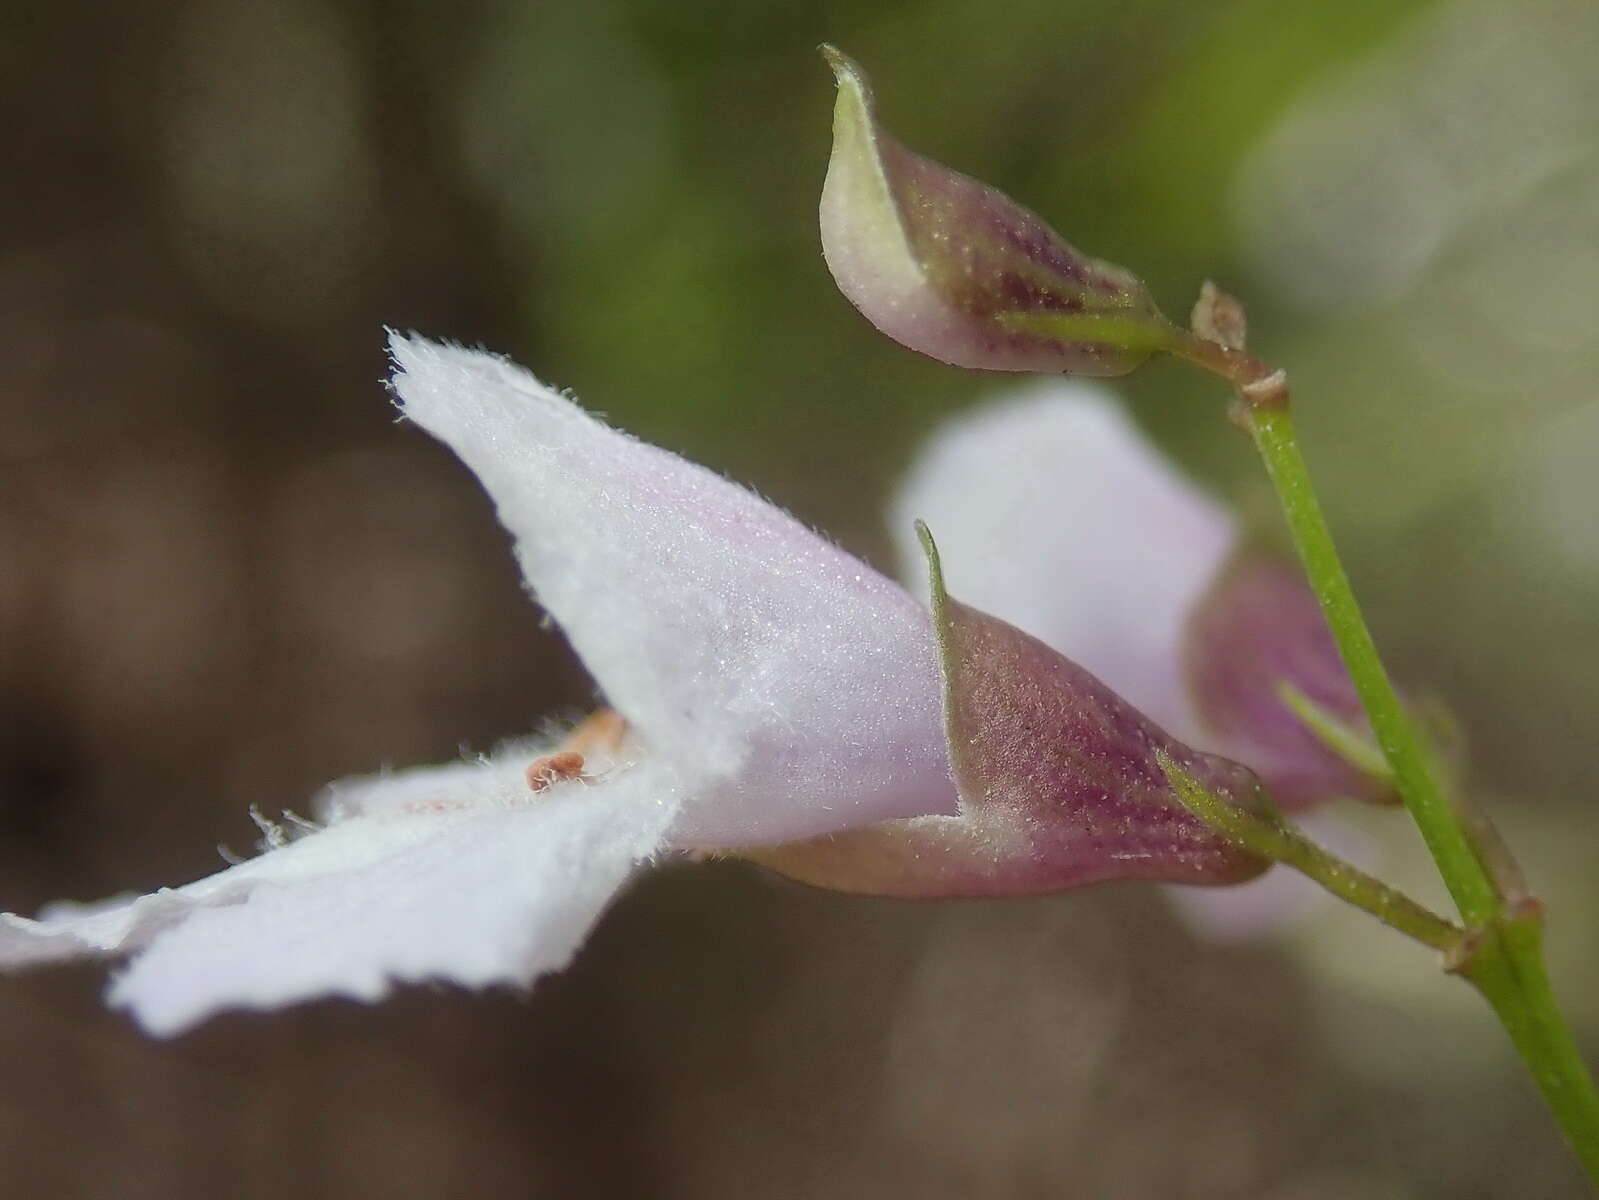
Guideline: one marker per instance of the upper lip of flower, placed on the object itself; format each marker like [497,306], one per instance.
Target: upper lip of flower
[779,687]
[795,684]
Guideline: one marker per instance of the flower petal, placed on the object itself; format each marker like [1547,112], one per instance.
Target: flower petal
[497,893]
[800,681]
[498,780]
[1055,514]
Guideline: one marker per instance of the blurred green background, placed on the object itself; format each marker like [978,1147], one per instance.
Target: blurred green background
[227,576]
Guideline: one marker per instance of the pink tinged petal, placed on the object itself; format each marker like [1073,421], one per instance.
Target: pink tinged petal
[1059,782]
[1057,515]
[799,683]
[497,892]
[951,268]
[1279,899]
[1257,628]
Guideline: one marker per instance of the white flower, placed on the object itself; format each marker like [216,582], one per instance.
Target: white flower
[776,687]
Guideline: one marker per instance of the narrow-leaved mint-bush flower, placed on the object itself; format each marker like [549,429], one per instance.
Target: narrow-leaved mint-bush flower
[776,686]
[798,685]
[775,690]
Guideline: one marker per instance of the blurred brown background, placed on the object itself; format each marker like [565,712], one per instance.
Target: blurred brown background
[226,575]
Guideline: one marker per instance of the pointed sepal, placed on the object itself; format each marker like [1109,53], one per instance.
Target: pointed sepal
[1061,784]
[951,268]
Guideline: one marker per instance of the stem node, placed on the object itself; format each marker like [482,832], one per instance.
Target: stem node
[1270,391]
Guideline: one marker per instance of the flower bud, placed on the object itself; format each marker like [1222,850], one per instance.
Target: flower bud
[1060,785]
[953,269]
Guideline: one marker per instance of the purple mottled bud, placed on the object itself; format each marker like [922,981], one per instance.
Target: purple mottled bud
[953,269]
[1257,638]
[1058,779]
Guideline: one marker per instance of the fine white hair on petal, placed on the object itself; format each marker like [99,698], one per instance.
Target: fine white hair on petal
[498,780]
[730,636]
[1053,512]
[1278,899]
[491,893]
[121,926]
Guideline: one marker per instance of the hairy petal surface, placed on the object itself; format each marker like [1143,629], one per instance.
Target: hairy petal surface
[800,684]
[1055,514]
[476,882]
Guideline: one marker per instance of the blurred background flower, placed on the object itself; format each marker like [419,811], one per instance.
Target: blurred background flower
[226,576]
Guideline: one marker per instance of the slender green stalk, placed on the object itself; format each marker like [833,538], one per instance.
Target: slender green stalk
[1271,837]
[1506,961]
[1508,969]
[1348,743]
[1435,816]
[1502,955]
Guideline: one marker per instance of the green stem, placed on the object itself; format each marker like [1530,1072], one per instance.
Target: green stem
[1508,969]
[1348,743]
[1446,837]
[1503,954]
[1506,963]
[1270,837]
